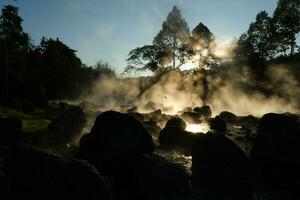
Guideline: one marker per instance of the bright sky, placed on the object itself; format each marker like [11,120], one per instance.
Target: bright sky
[108,29]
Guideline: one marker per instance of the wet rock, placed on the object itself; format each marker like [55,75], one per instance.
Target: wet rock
[220,168]
[69,124]
[276,153]
[113,140]
[10,131]
[31,174]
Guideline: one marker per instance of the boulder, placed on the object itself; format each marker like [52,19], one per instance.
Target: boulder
[217,124]
[10,133]
[204,111]
[152,128]
[30,174]
[113,140]
[228,117]
[191,117]
[276,153]
[138,116]
[174,134]
[176,122]
[69,124]
[151,177]
[221,168]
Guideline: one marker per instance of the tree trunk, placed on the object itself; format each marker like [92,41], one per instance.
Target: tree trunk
[173,52]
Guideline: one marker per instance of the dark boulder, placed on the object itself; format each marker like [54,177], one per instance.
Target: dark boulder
[69,124]
[191,117]
[152,128]
[221,168]
[113,140]
[228,117]
[33,175]
[10,130]
[217,124]
[276,154]
[176,122]
[204,111]
[138,116]
[151,177]
[174,134]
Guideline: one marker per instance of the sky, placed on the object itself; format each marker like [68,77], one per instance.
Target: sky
[108,29]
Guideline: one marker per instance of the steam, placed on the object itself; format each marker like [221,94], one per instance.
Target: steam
[230,90]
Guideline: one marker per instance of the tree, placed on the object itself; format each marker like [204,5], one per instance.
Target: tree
[261,36]
[148,57]
[14,45]
[259,40]
[61,69]
[287,20]
[174,37]
[203,43]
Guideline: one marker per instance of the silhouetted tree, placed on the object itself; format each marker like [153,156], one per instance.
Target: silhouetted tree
[60,69]
[203,43]
[287,21]
[261,36]
[148,57]
[174,37]
[14,45]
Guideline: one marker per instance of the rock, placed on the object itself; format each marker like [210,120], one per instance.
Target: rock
[174,134]
[69,124]
[152,128]
[114,138]
[177,123]
[228,117]
[217,124]
[34,175]
[276,153]
[10,131]
[137,116]
[155,115]
[191,117]
[151,177]
[221,168]
[204,111]
[273,124]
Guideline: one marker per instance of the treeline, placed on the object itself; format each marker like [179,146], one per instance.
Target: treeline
[34,74]
[267,39]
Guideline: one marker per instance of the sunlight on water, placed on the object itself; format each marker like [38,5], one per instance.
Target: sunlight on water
[197,128]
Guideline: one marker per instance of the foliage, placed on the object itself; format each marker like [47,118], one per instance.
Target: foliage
[203,43]
[171,47]
[287,21]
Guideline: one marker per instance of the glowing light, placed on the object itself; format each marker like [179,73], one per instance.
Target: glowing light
[197,128]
